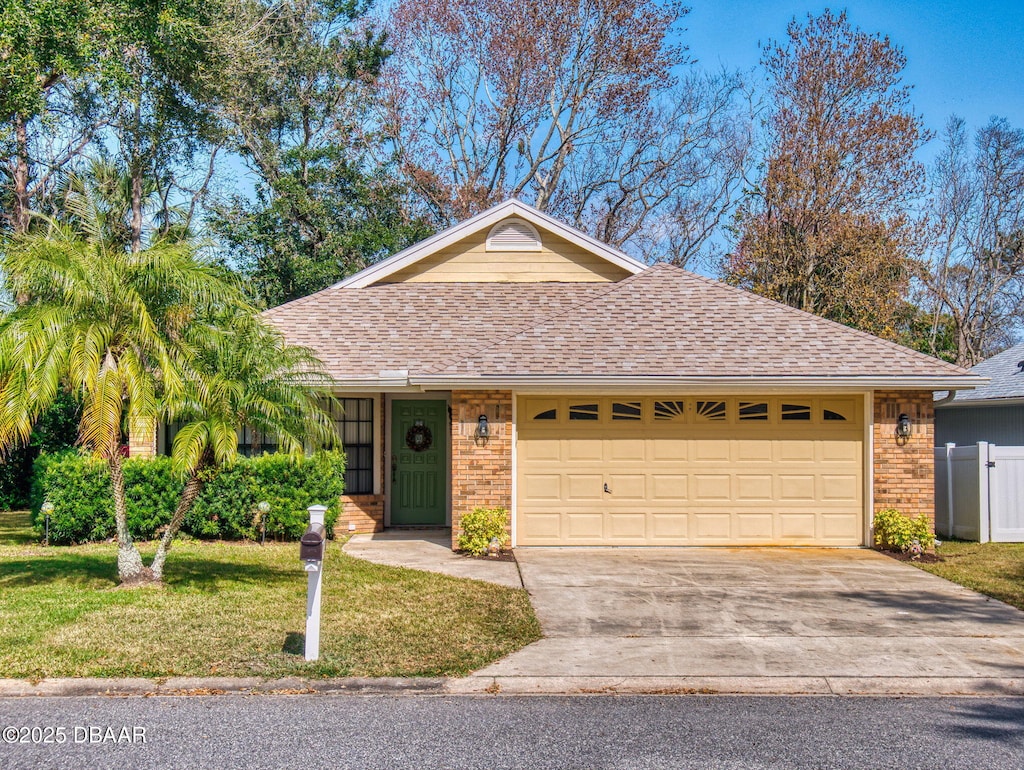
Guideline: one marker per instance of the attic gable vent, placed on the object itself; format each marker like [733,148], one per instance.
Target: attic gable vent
[513,235]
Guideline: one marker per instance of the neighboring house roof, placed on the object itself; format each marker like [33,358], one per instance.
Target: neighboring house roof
[482,221]
[662,326]
[1005,375]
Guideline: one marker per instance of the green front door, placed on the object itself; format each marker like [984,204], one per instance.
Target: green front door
[419,462]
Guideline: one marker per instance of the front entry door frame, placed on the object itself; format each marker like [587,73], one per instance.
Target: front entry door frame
[389,398]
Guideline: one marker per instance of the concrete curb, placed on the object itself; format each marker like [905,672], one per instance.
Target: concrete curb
[220,686]
[508,685]
[712,685]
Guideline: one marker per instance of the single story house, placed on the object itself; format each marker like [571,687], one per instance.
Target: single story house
[992,412]
[513,361]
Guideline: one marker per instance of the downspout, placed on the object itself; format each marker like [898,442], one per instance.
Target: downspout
[945,399]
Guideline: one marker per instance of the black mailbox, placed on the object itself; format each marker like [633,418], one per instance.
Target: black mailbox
[311,547]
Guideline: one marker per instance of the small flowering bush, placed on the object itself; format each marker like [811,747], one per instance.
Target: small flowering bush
[896,532]
[480,526]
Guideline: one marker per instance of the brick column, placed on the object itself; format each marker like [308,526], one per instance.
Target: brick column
[481,470]
[905,475]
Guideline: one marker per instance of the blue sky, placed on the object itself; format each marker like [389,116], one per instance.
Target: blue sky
[962,57]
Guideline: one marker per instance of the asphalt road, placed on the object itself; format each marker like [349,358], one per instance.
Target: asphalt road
[589,732]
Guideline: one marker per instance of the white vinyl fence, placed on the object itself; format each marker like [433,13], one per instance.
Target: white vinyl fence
[979,492]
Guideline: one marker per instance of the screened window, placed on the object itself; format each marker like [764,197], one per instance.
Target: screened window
[353,419]
[252,442]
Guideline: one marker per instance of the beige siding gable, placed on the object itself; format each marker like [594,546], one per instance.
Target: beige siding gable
[469,261]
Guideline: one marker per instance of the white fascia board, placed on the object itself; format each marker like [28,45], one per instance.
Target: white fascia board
[373,384]
[654,385]
[481,221]
[980,402]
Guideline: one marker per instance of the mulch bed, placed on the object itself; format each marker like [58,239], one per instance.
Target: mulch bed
[925,558]
[503,556]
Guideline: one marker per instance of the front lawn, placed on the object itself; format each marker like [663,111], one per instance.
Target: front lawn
[994,569]
[238,609]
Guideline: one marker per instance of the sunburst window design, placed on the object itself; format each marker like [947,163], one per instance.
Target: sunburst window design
[626,410]
[830,415]
[796,412]
[583,411]
[548,414]
[669,410]
[753,410]
[710,411]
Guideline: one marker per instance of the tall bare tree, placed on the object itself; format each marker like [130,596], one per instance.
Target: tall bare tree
[827,228]
[574,106]
[976,282]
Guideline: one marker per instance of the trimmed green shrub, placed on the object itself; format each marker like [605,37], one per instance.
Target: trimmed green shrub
[481,525]
[226,508]
[79,488]
[896,532]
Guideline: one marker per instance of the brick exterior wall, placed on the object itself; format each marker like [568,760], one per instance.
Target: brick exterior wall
[481,471]
[142,438]
[365,511]
[905,475]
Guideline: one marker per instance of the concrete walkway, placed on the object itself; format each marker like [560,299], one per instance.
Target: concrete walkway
[755,620]
[430,551]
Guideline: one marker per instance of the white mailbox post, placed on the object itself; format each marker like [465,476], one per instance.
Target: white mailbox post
[311,551]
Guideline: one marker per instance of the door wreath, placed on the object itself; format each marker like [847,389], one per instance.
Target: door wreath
[418,438]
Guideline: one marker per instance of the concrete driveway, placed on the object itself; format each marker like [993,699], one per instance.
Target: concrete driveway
[756,620]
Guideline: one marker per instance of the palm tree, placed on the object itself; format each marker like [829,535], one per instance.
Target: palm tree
[242,373]
[107,324]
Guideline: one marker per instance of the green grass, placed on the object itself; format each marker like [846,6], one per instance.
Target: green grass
[994,569]
[238,609]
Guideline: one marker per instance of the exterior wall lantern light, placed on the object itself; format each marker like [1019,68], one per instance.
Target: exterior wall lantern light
[483,430]
[902,428]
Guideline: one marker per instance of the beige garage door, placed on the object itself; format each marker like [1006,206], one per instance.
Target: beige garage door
[690,471]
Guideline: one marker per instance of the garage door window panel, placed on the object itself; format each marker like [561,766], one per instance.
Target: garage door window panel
[585,412]
[670,411]
[711,411]
[753,411]
[796,412]
[838,411]
[627,410]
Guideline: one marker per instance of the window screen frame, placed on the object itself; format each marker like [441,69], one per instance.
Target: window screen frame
[360,455]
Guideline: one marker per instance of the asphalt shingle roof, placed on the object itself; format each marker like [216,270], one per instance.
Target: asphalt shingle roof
[1005,373]
[358,333]
[664,321]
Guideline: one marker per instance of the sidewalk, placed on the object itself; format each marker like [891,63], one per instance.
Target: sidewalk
[430,551]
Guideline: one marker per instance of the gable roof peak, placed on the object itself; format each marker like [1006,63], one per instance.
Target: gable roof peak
[512,207]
